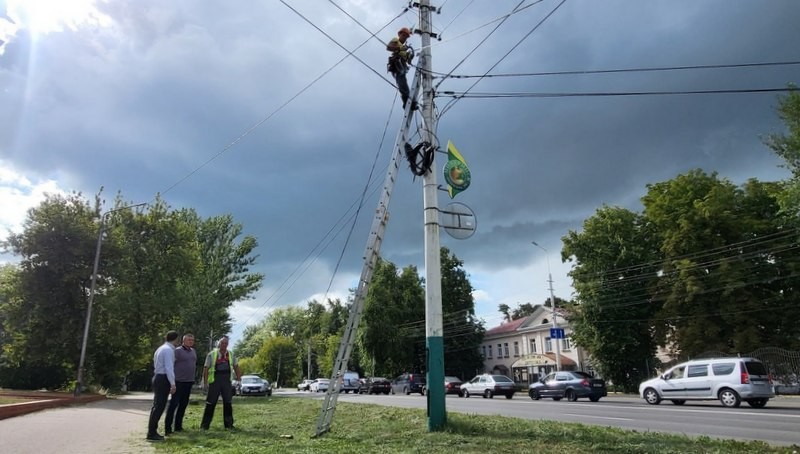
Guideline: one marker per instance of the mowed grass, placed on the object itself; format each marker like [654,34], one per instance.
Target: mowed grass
[287,425]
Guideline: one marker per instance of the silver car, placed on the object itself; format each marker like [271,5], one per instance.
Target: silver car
[731,380]
[488,385]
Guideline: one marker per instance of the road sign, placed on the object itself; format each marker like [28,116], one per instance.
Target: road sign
[557,333]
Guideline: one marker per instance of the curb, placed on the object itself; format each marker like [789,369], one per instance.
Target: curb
[46,400]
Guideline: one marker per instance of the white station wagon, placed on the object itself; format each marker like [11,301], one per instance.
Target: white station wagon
[731,380]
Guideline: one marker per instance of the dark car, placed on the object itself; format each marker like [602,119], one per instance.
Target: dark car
[375,385]
[488,385]
[409,383]
[452,385]
[571,385]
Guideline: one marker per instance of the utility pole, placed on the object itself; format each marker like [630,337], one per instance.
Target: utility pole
[309,360]
[552,304]
[434,334]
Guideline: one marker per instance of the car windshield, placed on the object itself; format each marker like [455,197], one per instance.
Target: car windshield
[378,379]
[581,374]
[251,380]
[756,368]
[452,379]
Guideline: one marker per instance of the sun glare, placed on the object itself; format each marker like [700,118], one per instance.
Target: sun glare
[46,16]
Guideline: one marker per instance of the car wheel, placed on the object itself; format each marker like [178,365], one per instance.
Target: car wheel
[466,393]
[556,399]
[651,396]
[571,396]
[729,398]
[509,396]
[488,394]
[534,394]
[757,403]
[678,401]
[594,398]
[386,392]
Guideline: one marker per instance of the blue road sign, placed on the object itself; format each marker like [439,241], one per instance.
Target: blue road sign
[557,333]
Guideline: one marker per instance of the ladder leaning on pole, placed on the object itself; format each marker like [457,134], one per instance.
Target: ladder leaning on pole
[370,259]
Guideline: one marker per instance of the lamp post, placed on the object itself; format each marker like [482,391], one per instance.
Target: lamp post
[79,384]
[552,302]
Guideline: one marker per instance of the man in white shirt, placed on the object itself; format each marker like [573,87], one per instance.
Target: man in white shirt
[163,382]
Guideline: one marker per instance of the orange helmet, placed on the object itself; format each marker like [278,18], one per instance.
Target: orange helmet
[404,30]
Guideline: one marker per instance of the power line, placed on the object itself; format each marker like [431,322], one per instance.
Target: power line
[620,70]
[450,104]
[488,95]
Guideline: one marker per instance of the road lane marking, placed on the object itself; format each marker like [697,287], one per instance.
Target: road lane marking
[689,410]
[598,417]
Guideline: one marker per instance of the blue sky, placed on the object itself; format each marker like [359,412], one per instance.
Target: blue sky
[214,105]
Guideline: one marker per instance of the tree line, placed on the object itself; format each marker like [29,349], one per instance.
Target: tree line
[159,269]
[706,265]
[293,343]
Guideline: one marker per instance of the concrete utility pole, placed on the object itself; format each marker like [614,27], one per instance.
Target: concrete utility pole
[552,303]
[79,384]
[437,414]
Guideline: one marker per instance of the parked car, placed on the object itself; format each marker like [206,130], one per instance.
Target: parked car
[408,383]
[320,385]
[571,385]
[375,385]
[251,385]
[488,386]
[452,385]
[731,380]
[349,382]
[304,385]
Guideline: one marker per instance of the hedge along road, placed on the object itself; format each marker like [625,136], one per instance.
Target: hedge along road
[116,425]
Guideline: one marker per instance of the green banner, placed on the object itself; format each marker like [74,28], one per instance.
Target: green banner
[456,172]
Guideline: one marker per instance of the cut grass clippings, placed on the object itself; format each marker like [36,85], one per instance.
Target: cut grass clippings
[287,425]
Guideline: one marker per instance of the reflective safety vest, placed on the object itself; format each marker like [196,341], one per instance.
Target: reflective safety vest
[214,356]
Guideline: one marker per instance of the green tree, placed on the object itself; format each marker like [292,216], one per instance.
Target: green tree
[463,332]
[277,360]
[611,277]
[787,147]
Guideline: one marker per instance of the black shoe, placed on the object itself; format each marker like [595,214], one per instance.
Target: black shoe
[168,432]
[231,428]
[414,106]
[203,428]
[179,429]
[155,437]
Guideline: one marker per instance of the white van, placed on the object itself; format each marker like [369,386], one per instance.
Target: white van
[731,380]
[350,382]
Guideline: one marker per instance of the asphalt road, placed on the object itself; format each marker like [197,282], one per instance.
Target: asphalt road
[777,424]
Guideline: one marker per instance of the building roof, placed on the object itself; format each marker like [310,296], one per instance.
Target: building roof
[506,327]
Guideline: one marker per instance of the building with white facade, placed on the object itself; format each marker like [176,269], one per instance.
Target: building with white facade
[523,350]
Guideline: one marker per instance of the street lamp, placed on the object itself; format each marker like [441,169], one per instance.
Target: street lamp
[79,384]
[552,302]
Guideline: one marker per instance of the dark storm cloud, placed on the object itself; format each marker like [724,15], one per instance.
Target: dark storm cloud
[140,106]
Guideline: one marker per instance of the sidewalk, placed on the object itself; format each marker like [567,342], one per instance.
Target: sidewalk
[116,425]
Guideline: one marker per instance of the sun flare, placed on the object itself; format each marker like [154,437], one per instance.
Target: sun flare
[46,16]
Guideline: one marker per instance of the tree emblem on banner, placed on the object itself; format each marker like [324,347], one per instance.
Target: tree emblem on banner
[456,172]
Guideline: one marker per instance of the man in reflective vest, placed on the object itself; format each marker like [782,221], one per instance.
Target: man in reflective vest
[398,63]
[219,369]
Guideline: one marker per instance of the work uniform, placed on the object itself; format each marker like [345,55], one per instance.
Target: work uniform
[221,369]
[398,66]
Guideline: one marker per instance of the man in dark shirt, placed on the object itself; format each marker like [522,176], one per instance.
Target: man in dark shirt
[218,372]
[185,366]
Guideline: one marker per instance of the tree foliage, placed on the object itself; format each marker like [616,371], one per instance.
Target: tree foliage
[158,269]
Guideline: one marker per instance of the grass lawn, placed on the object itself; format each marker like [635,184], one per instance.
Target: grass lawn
[12,400]
[287,424]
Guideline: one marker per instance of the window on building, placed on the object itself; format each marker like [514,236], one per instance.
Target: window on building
[533,345]
[516,349]
[566,344]
[499,350]
[548,344]
[483,351]
[505,350]
[490,352]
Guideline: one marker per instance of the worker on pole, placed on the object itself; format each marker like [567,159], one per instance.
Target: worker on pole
[402,54]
